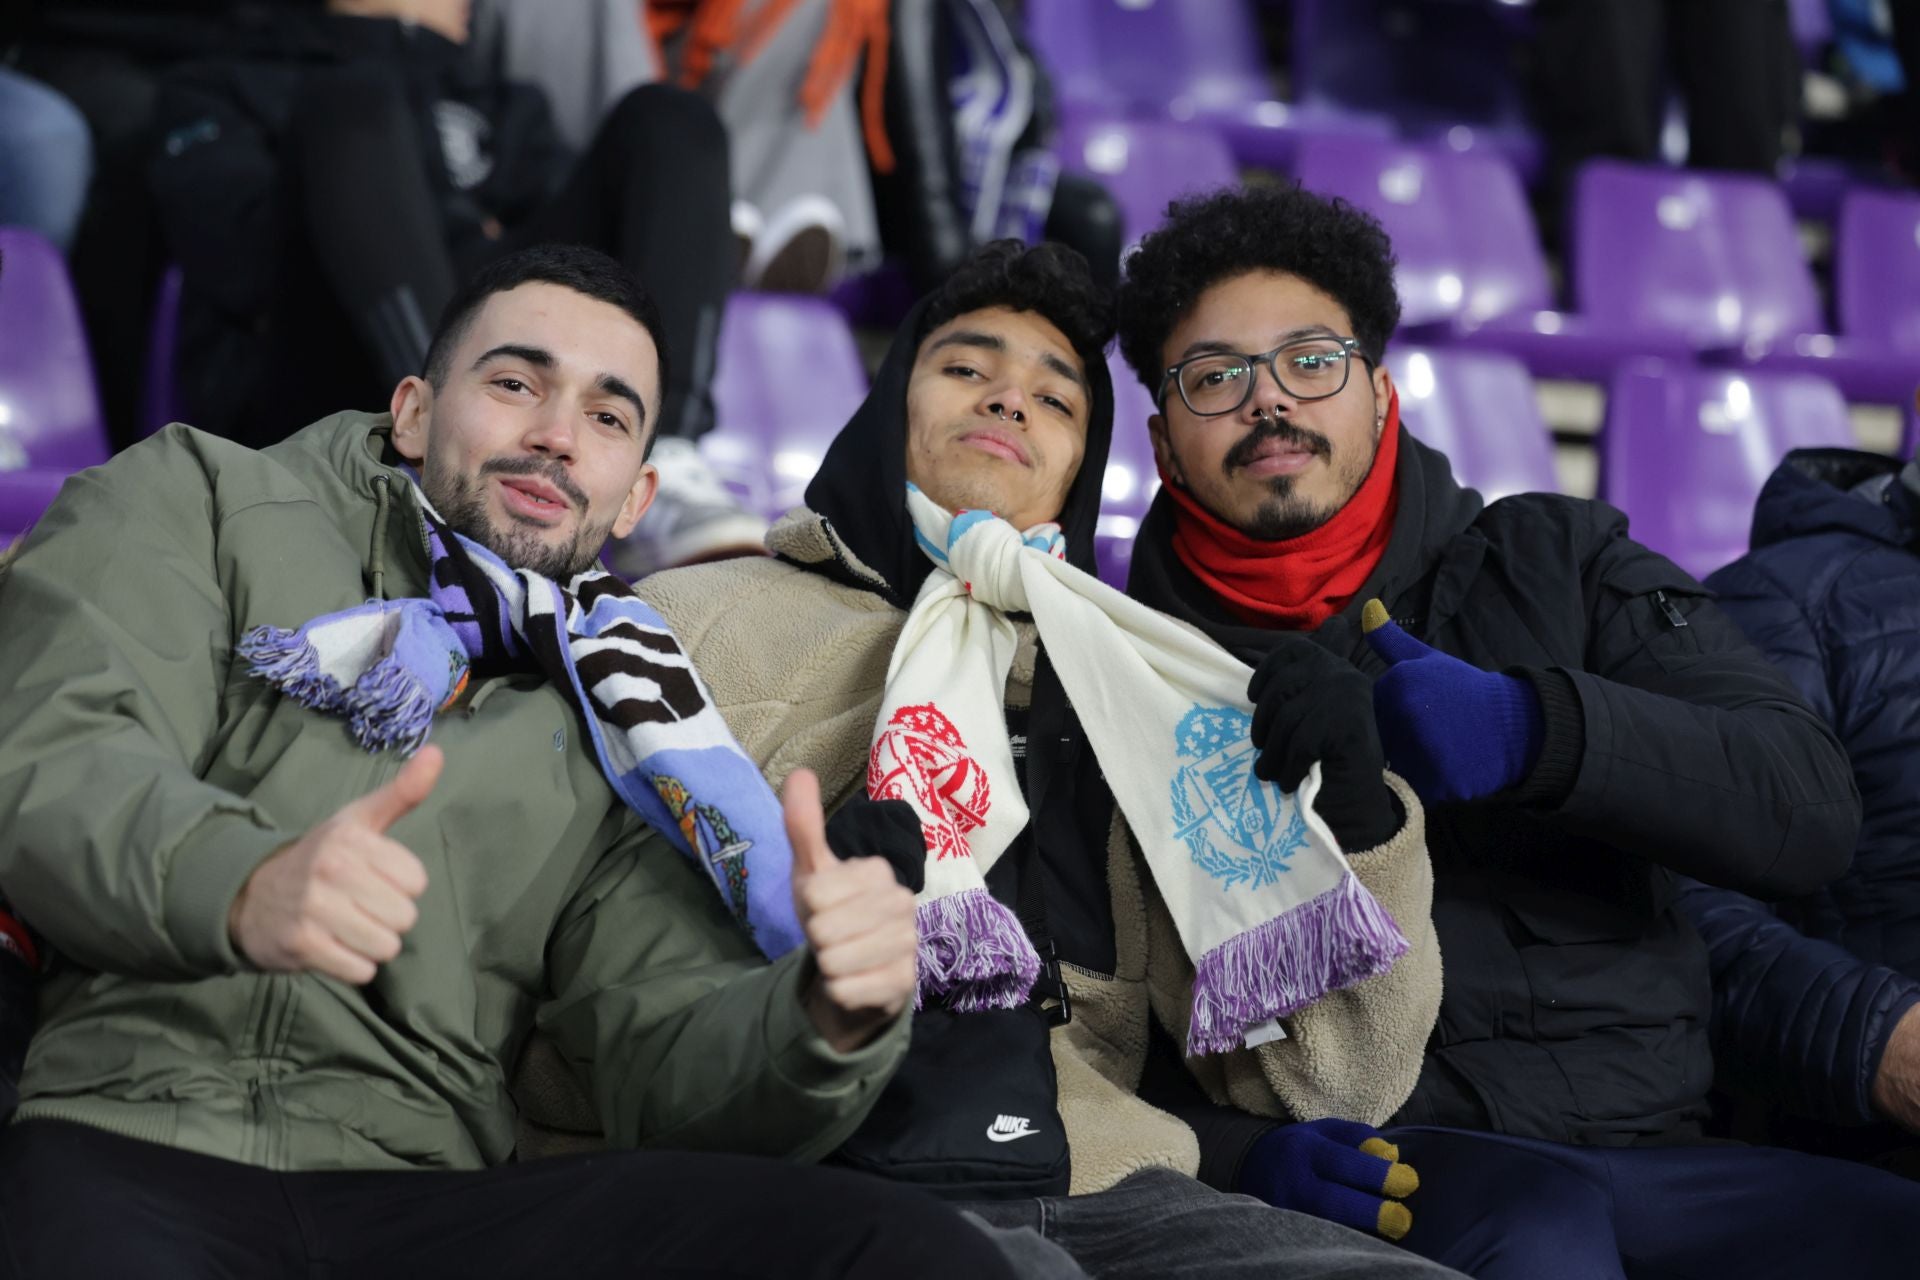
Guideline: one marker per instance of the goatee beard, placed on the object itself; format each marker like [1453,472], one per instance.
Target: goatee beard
[1284,515]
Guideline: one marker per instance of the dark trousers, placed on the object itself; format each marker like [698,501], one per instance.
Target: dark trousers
[75,1201]
[370,267]
[1604,67]
[1502,1208]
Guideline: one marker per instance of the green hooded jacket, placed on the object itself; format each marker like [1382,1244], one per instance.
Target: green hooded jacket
[144,775]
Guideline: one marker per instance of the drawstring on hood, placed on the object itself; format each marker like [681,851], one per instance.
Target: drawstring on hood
[377,554]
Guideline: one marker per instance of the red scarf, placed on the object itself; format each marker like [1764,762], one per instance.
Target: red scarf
[1297,584]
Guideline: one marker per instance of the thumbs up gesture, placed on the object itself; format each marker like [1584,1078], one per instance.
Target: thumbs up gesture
[337,900]
[859,921]
[1453,731]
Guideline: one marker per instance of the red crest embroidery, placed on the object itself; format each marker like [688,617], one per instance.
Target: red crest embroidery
[920,758]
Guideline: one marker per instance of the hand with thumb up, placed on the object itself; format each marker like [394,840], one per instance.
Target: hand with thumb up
[337,900]
[858,919]
[1453,731]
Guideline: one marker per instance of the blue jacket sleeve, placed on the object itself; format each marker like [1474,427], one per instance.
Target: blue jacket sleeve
[1795,1019]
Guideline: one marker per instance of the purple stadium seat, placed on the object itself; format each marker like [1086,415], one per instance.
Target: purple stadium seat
[1877,275]
[1460,225]
[1712,258]
[1477,408]
[1665,261]
[787,378]
[1876,356]
[1131,478]
[1191,62]
[160,398]
[49,410]
[1471,267]
[1685,450]
[1145,165]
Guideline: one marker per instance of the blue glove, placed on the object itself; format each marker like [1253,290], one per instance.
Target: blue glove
[1453,731]
[1339,1170]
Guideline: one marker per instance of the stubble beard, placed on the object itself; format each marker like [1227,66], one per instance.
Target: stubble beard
[462,503]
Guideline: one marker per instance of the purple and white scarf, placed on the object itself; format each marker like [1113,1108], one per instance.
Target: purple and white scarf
[389,666]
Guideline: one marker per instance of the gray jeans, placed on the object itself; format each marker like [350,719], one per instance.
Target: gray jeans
[1162,1225]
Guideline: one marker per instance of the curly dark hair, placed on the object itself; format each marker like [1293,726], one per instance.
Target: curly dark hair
[1328,243]
[1049,280]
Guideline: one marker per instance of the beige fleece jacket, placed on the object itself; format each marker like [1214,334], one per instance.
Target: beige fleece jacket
[797,664]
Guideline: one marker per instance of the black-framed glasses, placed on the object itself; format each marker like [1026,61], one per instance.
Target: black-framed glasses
[1218,382]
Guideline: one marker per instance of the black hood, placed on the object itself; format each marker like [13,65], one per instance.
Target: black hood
[861,487]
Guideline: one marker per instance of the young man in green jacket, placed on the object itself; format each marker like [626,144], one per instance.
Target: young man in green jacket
[297,973]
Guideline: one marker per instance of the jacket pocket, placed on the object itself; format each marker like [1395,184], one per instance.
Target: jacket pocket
[1654,603]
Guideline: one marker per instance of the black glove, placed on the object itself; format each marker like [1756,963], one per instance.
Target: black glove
[1310,703]
[890,829]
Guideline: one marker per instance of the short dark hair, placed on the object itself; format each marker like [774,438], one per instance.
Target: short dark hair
[1049,280]
[571,266]
[1206,239]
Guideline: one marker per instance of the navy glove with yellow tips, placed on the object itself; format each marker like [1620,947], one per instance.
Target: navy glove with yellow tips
[1340,1170]
[1453,731]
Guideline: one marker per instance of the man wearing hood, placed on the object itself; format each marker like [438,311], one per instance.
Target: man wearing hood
[1817,998]
[1584,724]
[995,401]
[296,966]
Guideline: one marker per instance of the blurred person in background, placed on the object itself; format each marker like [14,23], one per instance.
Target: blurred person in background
[970,110]
[784,76]
[106,57]
[1817,997]
[327,190]
[1605,68]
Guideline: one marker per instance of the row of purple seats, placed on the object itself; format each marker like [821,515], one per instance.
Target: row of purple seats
[1684,450]
[1356,74]
[1663,263]
[1194,62]
[50,421]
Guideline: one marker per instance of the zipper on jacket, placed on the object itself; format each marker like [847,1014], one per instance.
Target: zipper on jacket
[1670,611]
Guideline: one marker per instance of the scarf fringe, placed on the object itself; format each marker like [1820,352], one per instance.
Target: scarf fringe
[288,661]
[1329,942]
[389,706]
[974,954]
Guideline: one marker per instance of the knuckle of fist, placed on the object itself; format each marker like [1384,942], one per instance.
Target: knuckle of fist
[331,864]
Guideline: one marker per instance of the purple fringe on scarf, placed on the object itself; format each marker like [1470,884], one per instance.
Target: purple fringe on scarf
[973,953]
[285,660]
[387,707]
[390,707]
[1333,941]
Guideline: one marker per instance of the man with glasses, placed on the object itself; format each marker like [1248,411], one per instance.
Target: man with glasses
[1582,724]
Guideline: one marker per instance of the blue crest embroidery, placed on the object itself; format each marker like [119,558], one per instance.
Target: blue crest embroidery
[1240,830]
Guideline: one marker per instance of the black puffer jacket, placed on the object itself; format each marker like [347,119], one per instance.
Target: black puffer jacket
[1577,995]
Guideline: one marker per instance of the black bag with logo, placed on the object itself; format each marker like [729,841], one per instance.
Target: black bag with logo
[973,1112]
